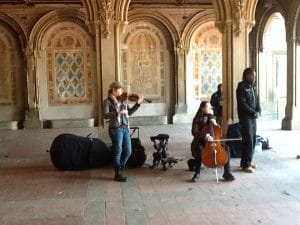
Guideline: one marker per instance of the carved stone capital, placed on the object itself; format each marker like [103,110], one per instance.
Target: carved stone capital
[107,15]
[32,83]
[220,25]
[238,15]
[180,50]
[250,25]
[223,26]
[121,25]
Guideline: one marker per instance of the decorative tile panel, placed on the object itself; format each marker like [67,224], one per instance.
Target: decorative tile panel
[69,66]
[143,58]
[207,48]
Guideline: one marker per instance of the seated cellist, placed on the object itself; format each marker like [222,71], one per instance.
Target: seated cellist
[203,117]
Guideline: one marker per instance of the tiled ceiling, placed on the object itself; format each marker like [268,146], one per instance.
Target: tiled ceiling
[177,2]
[32,2]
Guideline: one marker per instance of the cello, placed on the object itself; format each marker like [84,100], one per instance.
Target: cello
[214,154]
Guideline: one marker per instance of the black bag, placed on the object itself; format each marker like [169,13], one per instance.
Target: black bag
[234,131]
[138,156]
[265,145]
[72,152]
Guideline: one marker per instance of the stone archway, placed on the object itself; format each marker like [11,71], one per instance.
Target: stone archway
[63,69]
[292,111]
[147,62]
[202,24]
[12,75]
[234,19]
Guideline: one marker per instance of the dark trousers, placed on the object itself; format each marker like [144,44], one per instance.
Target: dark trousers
[198,161]
[248,132]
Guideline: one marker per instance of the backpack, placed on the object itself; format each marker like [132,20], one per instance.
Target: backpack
[138,156]
[264,142]
[234,131]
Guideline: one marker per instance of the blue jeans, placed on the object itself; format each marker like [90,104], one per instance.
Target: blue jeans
[121,145]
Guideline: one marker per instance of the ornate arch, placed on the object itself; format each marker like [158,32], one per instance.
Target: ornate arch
[148,39]
[14,26]
[234,11]
[159,20]
[38,43]
[223,12]
[92,9]
[12,76]
[121,9]
[261,22]
[47,21]
[293,26]
[205,56]
[250,11]
[194,23]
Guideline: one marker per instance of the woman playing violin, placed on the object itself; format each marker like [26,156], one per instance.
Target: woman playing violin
[116,110]
[203,118]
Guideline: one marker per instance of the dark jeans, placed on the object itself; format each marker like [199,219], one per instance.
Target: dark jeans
[121,145]
[248,132]
[227,167]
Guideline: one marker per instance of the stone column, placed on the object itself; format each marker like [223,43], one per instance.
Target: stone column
[105,42]
[108,58]
[292,113]
[180,84]
[99,85]
[32,118]
[235,47]
[180,75]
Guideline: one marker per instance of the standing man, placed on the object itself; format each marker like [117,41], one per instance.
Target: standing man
[217,103]
[248,107]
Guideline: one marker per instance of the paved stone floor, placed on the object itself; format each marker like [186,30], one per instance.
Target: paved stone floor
[33,192]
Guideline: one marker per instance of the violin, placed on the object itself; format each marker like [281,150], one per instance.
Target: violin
[214,154]
[131,97]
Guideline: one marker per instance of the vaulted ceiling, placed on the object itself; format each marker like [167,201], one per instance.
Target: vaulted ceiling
[284,4]
[32,2]
[177,2]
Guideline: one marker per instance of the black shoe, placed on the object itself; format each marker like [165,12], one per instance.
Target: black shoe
[119,177]
[196,177]
[191,164]
[228,176]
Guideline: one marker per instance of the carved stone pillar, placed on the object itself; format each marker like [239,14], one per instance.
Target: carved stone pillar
[235,51]
[180,79]
[107,16]
[292,113]
[180,115]
[105,49]
[32,118]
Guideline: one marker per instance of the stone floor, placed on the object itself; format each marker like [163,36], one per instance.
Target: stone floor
[33,192]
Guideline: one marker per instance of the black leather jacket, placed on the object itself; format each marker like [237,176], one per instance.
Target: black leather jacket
[215,100]
[248,104]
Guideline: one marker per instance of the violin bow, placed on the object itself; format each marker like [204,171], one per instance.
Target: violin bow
[126,105]
[228,139]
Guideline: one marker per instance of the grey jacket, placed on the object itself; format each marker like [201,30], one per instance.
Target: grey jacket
[110,112]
